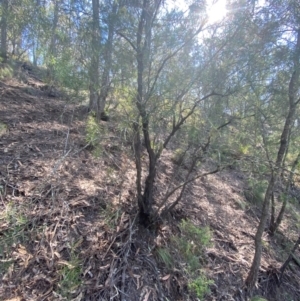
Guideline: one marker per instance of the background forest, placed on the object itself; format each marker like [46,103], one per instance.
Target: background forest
[149,150]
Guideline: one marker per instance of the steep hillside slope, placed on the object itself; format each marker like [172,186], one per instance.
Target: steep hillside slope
[68,221]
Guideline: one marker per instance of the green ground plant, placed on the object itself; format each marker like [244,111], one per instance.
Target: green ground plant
[111,215]
[256,191]
[164,256]
[200,286]
[93,134]
[6,71]
[3,129]
[70,275]
[14,223]
[257,298]
[193,242]
[191,246]
[178,156]
[294,212]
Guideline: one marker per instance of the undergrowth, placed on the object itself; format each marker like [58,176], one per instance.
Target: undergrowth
[13,223]
[70,275]
[6,71]
[191,246]
[94,133]
[189,251]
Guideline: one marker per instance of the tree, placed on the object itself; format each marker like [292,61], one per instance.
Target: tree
[293,101]
[170,88]
[52,51]
[275,222]
[4,13]
[107,58]
[94,65]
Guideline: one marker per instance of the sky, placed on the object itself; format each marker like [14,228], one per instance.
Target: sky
[216,9]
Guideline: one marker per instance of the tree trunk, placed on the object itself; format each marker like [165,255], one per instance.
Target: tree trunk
[107,60]
[276,223]
[289,259]
[292,93]
[142,59]
[252,276]
[52,46]
[4,29]
[138,164]
[94,67]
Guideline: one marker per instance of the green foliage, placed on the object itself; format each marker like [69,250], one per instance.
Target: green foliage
[201,236]
[200,286]
[178,156]
[6,71]
[14,231]
[190,248]
[66,74]
[191,244]
[295,214]
[111,215]
[256,192]
[70,275]
[3,129]
[125,111]
[164,256]
[241,204]
[257,298]
[93,133]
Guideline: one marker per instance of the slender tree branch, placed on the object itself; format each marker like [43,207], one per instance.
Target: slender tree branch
[127,39]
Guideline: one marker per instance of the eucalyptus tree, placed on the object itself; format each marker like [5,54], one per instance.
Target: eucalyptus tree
[95,58]
[171,84]
[281,20]
[4,16]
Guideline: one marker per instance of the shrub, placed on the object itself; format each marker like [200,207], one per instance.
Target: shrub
[200,286]
[178,156]
[93,133]
[256,192]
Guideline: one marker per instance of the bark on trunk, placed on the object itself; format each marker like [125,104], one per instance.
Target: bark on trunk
[52,46]
[142,38]
[275,223]
[138,164]
[289,259]
[4,29]
[105,83]
[252,276]
[94,67]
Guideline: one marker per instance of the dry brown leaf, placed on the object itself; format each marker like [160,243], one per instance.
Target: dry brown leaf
[137,280]
[78,243]
[87,270]
[78,298]
[22,250]
[105,267]
[63,262]
[166,277]
[147,296]
[83,203]
[130,272]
